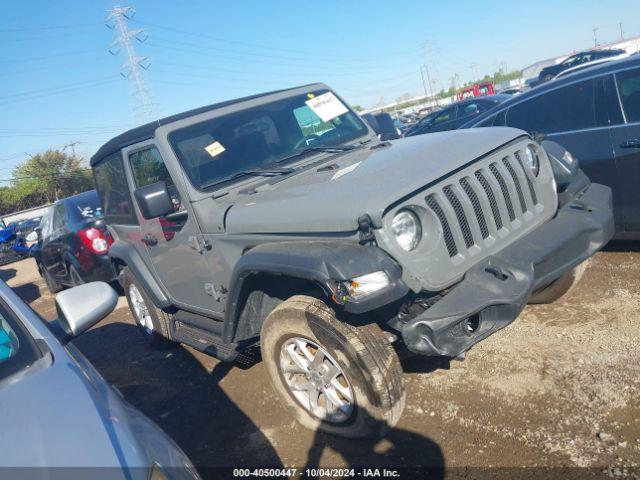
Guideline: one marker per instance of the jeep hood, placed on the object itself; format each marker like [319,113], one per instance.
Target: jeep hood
[365,181]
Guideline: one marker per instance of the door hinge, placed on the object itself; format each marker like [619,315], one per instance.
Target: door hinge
[198,243]
[218,293]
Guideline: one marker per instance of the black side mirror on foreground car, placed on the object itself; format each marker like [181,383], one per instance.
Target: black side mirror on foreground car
[154,200]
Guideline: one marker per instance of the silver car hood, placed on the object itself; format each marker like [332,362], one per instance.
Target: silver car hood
[365,181]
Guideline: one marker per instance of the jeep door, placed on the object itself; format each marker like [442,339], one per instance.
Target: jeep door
[174,247]
[626,145]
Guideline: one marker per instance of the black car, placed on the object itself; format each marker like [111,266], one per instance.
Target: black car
[551,71]
[595,115]
[454,115]
[73,244]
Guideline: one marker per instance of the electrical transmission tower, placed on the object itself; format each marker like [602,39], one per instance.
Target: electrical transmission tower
[134,65]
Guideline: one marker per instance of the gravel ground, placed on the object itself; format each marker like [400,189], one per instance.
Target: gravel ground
[559,388]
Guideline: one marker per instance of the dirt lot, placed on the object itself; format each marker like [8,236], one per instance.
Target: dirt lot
[558,388]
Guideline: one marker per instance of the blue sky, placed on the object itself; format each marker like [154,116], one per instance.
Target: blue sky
[59,84]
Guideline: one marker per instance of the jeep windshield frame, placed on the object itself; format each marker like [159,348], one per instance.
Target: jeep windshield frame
[214,152]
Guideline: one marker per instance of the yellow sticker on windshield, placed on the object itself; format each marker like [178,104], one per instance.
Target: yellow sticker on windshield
[215,149]
[310,95]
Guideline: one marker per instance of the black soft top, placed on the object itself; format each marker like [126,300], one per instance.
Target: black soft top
[147,131]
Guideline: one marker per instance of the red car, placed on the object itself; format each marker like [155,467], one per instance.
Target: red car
[478,90]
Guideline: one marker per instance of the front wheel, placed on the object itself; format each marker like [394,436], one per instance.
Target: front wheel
[151,320]
[560,287]
[332,376]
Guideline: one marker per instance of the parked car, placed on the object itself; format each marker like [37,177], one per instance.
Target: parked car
[383,124]
[478,90]
[454,115]
[63,413]
[332,250]
[592,63]
[550,72]
[595,115]
[26,236]
[73,243]
[511,91]
[7,240]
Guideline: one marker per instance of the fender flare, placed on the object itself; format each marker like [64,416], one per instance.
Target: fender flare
[323,262]
[127,254]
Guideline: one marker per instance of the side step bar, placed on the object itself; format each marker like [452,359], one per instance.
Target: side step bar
[205,334]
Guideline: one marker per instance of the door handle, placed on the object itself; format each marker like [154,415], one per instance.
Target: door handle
[634,143]
[149,240]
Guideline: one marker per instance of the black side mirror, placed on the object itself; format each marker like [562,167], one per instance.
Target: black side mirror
[154,200]
[38,231]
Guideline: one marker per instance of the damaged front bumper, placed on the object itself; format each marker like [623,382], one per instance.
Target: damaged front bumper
[494,291]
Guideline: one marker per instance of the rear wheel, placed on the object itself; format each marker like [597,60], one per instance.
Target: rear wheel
[332,376]
[151,320]
[560,287]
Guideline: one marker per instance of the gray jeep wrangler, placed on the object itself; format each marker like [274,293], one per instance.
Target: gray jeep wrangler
[280,220]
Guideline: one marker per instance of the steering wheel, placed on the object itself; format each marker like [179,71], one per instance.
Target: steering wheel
[306,141]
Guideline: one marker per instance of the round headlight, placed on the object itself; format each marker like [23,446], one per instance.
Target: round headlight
[407,229]
[533,162]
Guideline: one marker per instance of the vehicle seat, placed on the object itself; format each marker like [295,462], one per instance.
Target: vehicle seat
[632,107]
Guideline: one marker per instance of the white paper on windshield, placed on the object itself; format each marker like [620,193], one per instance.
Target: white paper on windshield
[215,149]
[327,106]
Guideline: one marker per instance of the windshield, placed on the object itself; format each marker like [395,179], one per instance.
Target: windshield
[259,137]
[17,348]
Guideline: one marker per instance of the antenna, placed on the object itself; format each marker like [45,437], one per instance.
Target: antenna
[134,65]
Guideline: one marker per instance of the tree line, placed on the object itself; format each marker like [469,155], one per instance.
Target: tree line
[44,178]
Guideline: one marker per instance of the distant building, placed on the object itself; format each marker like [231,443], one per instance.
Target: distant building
[631,45]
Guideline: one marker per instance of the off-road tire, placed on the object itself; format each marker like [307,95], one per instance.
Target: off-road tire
[52,285]
[560,287]
[159,337]
[363,352]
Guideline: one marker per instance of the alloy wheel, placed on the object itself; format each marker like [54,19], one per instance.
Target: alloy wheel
[140,310]
[316,380]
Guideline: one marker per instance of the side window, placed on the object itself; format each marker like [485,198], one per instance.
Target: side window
[113,190]
[487,122]
[629,89]
[560,110]
[45,223]
[470,109]
[148,167]
[444,116]
[608,108]
[59,218]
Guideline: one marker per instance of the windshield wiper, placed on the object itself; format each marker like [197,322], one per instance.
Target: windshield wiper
[262,172]
[327,149]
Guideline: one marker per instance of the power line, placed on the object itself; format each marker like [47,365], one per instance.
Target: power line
[134,64]
[292,63]
[55,66]
[67,54]
[49,27]
[58,92]
[313,54]
[57,87]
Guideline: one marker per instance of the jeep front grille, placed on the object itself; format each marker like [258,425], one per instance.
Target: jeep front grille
[497,195]
[474,212]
